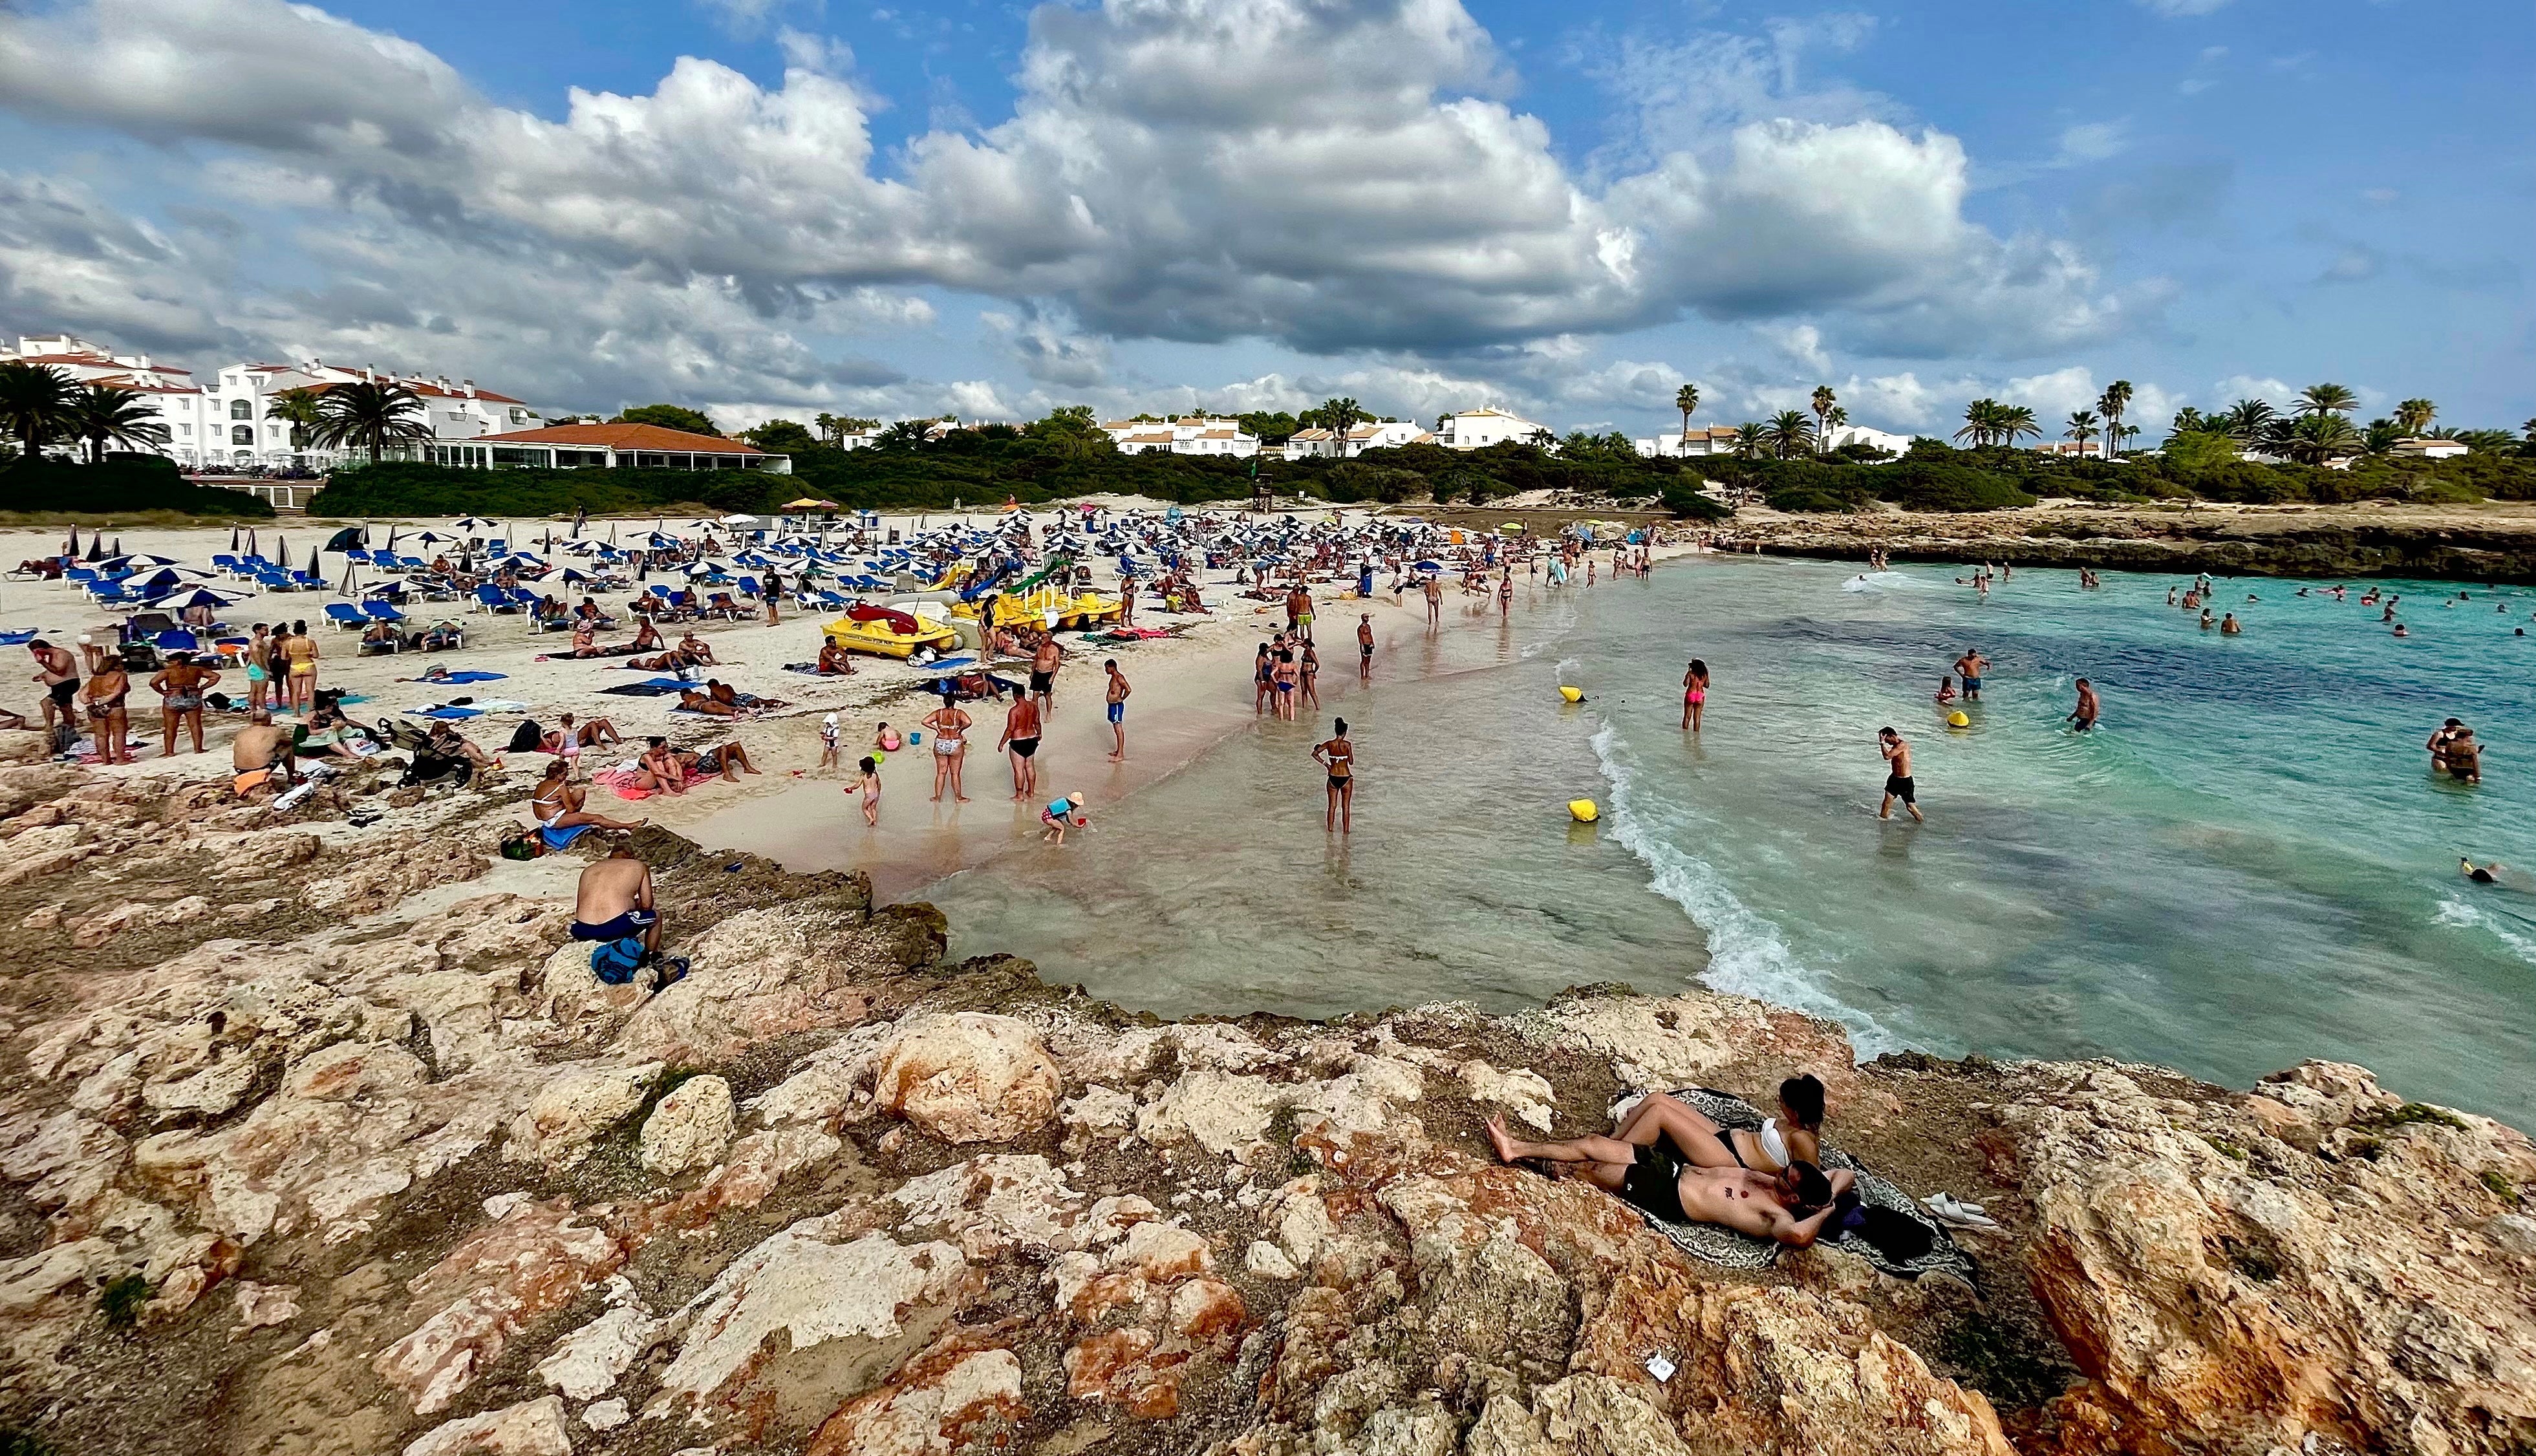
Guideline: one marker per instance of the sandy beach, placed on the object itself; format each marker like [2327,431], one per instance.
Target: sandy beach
[1191,688]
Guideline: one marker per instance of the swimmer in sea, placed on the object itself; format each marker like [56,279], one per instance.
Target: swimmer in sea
[1898,783]
[2230,625]
[1695,694]
[1970,667]
[2083,718]
[1946,688]
[1337,755]
[2481,874]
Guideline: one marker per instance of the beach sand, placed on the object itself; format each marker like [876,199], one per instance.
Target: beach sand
[1190,690]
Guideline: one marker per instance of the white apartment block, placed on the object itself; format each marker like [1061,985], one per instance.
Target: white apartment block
[1478,429]
[1387,435]
[1679,444]
[1194,434]
[226,421]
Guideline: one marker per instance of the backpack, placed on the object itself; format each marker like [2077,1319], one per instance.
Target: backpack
[615,962]
[522,844]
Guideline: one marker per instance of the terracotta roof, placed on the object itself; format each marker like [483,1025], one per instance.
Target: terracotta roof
[625,437]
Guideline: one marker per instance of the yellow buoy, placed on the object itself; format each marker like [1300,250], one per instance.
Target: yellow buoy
[1571,694]
[1958,719]
[1584,809]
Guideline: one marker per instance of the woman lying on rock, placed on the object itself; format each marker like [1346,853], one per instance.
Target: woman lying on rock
[1673,1161]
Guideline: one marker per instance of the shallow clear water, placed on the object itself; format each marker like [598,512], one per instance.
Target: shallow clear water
[2246,865]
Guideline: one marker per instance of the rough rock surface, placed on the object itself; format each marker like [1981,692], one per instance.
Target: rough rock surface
[833,1195]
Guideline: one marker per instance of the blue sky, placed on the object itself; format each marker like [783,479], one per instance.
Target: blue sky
[782,206]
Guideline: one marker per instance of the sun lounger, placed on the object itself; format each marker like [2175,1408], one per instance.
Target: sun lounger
[381,611]
[345,614]
[490,598]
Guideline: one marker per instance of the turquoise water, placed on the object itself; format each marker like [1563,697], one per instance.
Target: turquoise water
[2246,865]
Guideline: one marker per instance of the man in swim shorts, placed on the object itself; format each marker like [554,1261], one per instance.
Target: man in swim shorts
[1021,743]
[1364,647]
[2083,717]
[1043,680]
[1661,1162]
[59,673]
[1898,783]
[1119,691]
[615,900]
[1970,667]
[258,753]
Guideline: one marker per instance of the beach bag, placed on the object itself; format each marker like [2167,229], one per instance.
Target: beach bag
[1899,1238]
[526,738]
[519,844]
[615,962]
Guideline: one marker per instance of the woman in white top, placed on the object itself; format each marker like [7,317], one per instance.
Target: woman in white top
[1794,1136]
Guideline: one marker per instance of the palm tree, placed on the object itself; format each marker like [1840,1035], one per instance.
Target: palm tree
[2382,434]
[1790,434]
[2188,422]
[2016,421]
[1979,421]
[1832,422]
[1338,417]
[2326,398]
[2113,405]
[33,401]
[2318,437]
[2415,416]
[2249,422]
[2082,428]
[1823,401]
[1751,439]
[299,406]
[369,414]
[1687,399]
[100,414]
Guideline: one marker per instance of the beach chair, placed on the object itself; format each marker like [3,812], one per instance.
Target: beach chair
[381,611]
[345,614]
[176,640]
[308,580]
[225,564]
[490,598]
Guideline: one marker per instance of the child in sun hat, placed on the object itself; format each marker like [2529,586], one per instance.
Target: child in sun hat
[1069,812]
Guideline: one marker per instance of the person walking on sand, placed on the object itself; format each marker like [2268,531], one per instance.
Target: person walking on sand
[1119,691]
[949,728]
[1043,680]
[1435,589]
[1970,667]
[1695,694]
[1365,647]
[1337,756]
[1898,783]
[2082,718]
[1020,744]
[867,785]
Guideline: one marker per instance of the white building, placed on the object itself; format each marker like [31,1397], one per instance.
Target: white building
[1385,434]
[564,447]
[1192,434]
[228,420]
[2428,449]
[1678,444]
[1478,429]
[1842,435]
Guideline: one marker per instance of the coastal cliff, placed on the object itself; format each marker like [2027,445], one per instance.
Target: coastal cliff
[324,1141]
[2492,544]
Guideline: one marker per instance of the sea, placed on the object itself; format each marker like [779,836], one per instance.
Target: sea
[2250,861]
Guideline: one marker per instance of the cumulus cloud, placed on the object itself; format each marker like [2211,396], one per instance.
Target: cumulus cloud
[1167,173]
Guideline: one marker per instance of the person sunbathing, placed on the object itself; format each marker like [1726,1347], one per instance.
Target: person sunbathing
[585,641]
[697,702]
[697,650]
[448,742]
[725,761]
[1667,1159]
[835,661]
[724,693]
[440,636]
[558,803]
[646,634]
[378,636]
[673,660]
[658,769]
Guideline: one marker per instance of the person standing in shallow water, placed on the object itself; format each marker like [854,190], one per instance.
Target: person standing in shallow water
[1695,693]
[1898,783]
[1337,755]
[2083,717]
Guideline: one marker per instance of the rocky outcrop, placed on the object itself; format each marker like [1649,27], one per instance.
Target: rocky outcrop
[831,1196]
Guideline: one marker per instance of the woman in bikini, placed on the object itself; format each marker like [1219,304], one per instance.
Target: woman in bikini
[1338,756]
[949,727]
[109,721]
[1263,678]
[1694,692]
[180,686]
[558,803]
[299,663]
[1311,672]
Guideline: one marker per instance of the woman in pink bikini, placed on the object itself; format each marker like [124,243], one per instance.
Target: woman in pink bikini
[1694,692]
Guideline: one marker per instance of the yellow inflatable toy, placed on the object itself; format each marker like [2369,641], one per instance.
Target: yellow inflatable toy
[888,633]
[1958,719]
[1584,809]
[1571,694]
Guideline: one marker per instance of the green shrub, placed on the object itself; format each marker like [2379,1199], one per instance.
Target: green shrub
[121,486]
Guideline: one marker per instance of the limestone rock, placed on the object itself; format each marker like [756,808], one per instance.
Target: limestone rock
[690,1127]
[952,1396]
[588,1362]
[531,1429]
[487,1290]
[968,1077]
[574,1108]
[352,1069]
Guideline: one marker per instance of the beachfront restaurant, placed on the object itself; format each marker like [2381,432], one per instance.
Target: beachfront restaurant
[564,447]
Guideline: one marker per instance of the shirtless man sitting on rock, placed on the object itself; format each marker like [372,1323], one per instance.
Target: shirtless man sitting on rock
[259,753]
[615,900]
[1670,1160]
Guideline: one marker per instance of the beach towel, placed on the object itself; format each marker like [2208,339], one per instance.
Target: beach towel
[1730,1249]
[620,782]
[643,689]
[443,710]
[470,675]
[561,839]
[18,639]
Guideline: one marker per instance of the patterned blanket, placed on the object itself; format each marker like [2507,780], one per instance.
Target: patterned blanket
[1733,1250]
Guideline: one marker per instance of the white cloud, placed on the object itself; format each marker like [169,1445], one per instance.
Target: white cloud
[1168,171]
[2093,141]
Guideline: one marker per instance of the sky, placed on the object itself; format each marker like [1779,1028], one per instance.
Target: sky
[771,208]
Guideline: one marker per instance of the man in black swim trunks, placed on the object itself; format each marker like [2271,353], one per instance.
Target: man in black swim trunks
[1898,783]
[1021,743]
[1669,1161]
[59,672]
[615,900]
